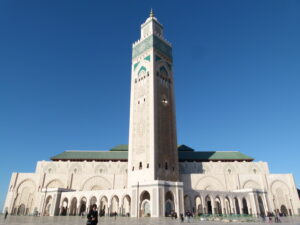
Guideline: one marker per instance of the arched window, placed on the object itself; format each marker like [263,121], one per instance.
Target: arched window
[166,165]
[141,166]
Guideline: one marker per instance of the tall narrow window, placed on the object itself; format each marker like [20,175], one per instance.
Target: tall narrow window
[141,166]
[166,165]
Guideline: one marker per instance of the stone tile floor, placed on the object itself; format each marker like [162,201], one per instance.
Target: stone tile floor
[28,220]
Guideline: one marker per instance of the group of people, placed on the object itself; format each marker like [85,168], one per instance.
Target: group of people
[188,215]
[276,216]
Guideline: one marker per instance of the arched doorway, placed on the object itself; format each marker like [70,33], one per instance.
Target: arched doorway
[21,209]
[218,206]
[93,201]
[227,206]
[126,206]
[237,206]
[114,207]
[73,207]
[169,203]
[261,206]
[245,207]
[187,203]
[48,206]
[208,205]
[198,205]
[82,207]
[103,210]
[145,206]
[64,207]
[284,210]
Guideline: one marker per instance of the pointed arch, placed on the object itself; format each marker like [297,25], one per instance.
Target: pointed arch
[95,183]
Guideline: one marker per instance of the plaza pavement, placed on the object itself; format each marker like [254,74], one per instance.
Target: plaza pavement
[29,220]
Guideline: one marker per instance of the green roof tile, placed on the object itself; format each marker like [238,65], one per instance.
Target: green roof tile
[120,148]
[120,152]
[92,155]
[184,148]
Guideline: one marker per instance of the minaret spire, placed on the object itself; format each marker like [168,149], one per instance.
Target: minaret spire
[151,13]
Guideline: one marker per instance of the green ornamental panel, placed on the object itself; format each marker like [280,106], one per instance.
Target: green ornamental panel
[135,65]
[147,58]
[152,42]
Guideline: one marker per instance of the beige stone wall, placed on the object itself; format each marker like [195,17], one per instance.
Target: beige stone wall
[215,180]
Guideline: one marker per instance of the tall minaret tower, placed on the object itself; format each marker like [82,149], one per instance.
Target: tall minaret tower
[152,135]
[152,157]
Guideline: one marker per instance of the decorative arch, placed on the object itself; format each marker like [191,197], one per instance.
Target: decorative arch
[163,71]
[82,206]
[64,206]
[261,205]
[237,206]
[198,205]
[73,207]
[96,183]
[245,206]
[208,205]
[55,183]
[26,182]
[227,205]
[187,203]
[251,184]
[93,200]
[145,209]
[218,205]
[142,71]
[103,206]
[209,183]
[47,207]
[114,204]
[279,184]
[126,205]
[25,194]
[169,203]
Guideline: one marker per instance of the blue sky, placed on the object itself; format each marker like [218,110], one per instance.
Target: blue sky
[65,75]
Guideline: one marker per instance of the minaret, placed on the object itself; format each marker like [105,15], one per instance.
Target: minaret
[152,152]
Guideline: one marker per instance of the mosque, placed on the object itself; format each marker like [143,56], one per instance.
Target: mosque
[152,175]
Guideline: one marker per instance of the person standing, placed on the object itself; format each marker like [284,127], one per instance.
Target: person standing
[92,216]
[181,217]
[5,216]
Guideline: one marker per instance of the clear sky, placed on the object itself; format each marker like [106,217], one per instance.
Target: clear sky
[65,75]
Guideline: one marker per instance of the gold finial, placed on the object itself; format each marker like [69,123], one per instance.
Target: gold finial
[151,13]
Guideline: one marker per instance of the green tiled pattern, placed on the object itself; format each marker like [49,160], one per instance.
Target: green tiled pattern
[120,152]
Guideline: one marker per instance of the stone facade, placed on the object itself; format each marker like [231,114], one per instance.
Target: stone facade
[150,179]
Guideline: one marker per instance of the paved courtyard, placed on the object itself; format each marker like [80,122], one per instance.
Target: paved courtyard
[20,220]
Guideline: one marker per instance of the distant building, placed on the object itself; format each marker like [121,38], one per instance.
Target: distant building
[152,176]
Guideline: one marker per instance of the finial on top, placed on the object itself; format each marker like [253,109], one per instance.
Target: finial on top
[151,13]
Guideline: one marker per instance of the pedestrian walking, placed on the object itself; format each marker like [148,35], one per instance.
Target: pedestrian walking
[6,214]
